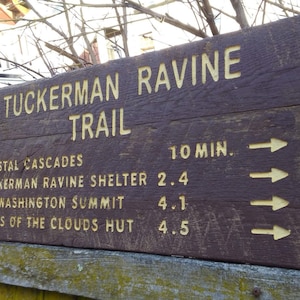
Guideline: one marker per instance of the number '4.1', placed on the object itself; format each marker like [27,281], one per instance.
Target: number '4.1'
[163,203]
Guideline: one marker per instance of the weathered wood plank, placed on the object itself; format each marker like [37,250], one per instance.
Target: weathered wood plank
[191,151]
[117,275]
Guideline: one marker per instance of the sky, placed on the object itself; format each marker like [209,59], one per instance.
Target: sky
[164,35]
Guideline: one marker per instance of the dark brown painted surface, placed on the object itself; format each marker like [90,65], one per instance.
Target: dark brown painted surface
[220,129]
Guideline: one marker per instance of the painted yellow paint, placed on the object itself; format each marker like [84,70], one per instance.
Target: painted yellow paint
[10,292]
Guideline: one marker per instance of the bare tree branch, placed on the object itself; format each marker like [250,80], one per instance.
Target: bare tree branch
[167,19]
[22,66]
[108,5]
[123,30]
[43,57]
[284,8]
[70,39]
[207,11]
[84,35]
[75,59]
[61,33]
[240,13]
[41,53]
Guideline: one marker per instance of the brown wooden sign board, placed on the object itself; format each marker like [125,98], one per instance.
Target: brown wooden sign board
[191,151]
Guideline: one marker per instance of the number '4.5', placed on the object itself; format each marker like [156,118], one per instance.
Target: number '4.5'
[183,230]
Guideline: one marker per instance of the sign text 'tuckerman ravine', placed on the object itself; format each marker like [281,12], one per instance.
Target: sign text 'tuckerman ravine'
[96,90]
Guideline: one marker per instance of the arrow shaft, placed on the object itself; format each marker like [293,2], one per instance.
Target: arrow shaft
[262,203]
[274,175]
[276,203]
[277,232]
[260,145]
[261,175]
[262,231]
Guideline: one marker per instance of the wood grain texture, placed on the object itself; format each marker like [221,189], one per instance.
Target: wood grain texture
[115,275]
[164,160]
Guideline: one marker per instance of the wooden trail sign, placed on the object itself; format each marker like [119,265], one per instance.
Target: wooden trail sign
[191,151]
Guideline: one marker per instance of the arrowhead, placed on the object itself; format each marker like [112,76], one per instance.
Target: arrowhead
[277,144]
[280,233]
[278,203]
[277,174]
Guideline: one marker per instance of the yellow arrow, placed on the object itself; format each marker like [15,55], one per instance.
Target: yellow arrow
[277,232]
[274,145]
[276,203]
[274,175]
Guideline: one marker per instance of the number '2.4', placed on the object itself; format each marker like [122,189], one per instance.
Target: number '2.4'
[162,176]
